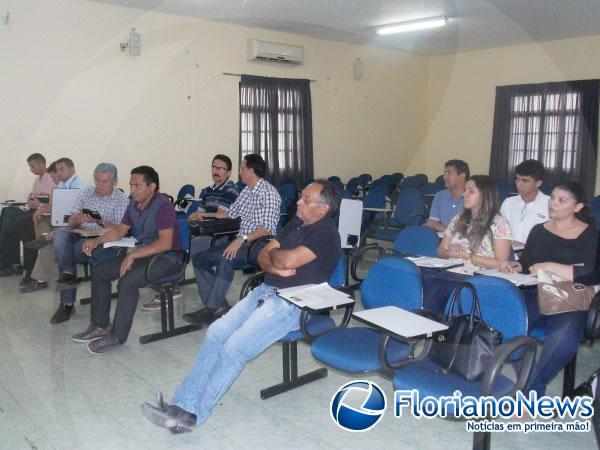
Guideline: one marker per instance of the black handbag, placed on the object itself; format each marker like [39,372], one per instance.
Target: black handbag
[468,345]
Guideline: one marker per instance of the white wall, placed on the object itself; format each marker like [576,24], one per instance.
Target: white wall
[67,90]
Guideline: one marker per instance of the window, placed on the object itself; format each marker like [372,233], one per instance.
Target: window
[555,123]
[275,122]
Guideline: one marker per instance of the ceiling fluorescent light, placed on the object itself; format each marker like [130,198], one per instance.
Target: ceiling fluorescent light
[413,25]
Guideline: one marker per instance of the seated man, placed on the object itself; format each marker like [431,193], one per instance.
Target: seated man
[17,224]
[258,208]
[306,251]
[215,198]
[530,207]
[45,264]
[111,204]
[151,218]
[449,202]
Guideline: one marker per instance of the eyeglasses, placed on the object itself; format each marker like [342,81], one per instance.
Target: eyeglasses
[308,201]
[220,169]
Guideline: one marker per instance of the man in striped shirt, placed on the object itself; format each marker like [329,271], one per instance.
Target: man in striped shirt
[110,203]
[258,208]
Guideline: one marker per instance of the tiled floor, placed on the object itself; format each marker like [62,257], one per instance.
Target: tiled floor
[56,395]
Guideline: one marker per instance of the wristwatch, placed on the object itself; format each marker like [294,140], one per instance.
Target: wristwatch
[245,238]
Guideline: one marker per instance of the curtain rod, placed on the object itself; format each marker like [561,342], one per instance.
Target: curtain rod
[229,74]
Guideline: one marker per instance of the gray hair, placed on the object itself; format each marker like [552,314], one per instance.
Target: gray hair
[329,195]
[107,167]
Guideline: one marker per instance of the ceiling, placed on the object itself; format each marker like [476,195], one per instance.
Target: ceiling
[474,24]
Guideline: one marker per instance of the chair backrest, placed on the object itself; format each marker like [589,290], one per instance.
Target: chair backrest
[186,189]
[505,189]
[392,282]
[439,182]
[184,233]
[337,182]
[352,185]
[408,208]
[502,305]
[596,203]
[417,240]
[365,179]
[410,182]
[288,180]
[421,179]
[338,277]
[375,198]
[429,188]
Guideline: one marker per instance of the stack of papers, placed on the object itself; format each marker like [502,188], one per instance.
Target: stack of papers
[125,242]
[315,296]
[428,261]
[518,279]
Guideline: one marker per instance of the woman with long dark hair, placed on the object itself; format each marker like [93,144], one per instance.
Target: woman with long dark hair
[479,234]
[566,246]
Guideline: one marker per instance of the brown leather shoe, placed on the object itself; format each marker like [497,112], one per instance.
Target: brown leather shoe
[63,313]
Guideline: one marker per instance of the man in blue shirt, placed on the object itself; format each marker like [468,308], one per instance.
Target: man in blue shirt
[449,202]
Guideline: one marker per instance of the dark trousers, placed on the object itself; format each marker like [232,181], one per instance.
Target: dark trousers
[214,273]
[16,226]
[103,273]
[68,296]
[562,335]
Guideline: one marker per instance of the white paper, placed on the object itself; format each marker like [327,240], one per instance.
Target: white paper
[125,242]
[428,261]
[315,296]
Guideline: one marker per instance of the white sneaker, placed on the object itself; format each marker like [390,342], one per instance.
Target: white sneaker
[154,304]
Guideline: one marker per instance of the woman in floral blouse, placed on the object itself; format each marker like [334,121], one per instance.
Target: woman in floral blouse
[479,234]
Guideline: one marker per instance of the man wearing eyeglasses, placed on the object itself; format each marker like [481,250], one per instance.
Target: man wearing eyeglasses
[530,207]
[306,251]
[213,199]
[258,208]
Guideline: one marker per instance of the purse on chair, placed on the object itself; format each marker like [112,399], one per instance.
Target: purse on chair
[469,343]
[557,296]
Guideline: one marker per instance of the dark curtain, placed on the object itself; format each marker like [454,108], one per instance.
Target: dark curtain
[276,122]
[555,123]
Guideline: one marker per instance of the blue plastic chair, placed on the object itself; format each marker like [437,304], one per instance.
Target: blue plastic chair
[390,282]
[353,186]
[186,189]
[428,190]
[415,240]
[596,203]
[165,286]
[503,308]
[311,326]
[505,189]
[439,182]
[365,179]
[409,210]
[337,182]
[421,179]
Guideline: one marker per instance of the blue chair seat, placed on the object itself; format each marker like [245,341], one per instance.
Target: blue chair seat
[317,324]
[355,350]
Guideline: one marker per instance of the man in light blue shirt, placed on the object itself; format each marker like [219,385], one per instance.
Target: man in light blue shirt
[65,169]
[449,202]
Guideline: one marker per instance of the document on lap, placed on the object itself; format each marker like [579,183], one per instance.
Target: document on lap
[125,242]
[315,297]
[518,279]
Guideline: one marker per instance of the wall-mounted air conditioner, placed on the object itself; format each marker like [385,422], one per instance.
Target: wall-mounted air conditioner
[272,51]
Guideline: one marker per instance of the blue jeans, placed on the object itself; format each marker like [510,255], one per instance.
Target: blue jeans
[64,242]
[214,273]
[230,342]
[563,334]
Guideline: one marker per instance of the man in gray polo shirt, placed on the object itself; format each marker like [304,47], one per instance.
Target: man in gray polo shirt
[449,202]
